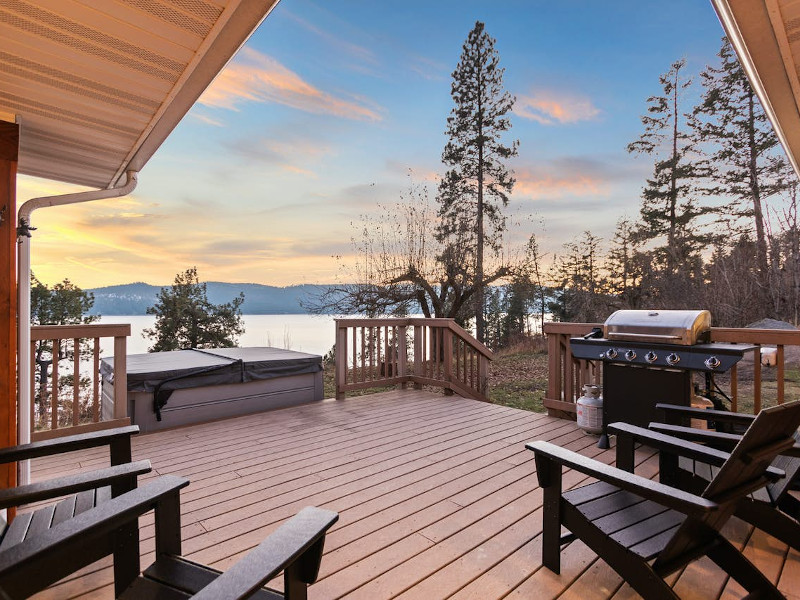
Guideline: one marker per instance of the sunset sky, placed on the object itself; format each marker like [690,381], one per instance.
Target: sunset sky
[323,113]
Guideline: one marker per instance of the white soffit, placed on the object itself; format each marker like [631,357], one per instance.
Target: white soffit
[766,36]
[98,85]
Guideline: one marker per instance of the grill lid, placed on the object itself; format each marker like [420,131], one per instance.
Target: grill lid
[685,327]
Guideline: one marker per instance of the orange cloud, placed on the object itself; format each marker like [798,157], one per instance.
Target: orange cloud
[255,77]
[549,108]
[530,185]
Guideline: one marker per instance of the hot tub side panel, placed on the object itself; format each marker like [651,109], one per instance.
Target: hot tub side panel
[201,404]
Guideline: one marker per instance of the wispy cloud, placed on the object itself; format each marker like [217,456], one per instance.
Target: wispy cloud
[256,77]
[549,107]
[361,53]
[206,119]
[428,68]
[294,155]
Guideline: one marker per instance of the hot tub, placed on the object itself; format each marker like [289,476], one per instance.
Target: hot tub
[168,389]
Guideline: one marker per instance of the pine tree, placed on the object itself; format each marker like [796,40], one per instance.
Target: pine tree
[626,266]
[746,164]
[579,283]
[186,319]
[669,211]
[477,184]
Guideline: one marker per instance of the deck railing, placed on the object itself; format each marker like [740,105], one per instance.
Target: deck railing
[382,352]
[74,352]
[567,374]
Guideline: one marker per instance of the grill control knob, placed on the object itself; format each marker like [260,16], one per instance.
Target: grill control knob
[673,359]
[712,362]
[630,355]
[611,353]
[651,357]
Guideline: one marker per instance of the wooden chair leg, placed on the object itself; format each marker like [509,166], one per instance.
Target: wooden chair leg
[126,556]
[294,588]
[733,562]
[626,455]
[790,505]
[668,469]
[771,520]
[550,478]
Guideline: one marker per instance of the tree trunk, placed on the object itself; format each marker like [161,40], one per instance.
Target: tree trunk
[673,192]
[755,190]
[480,325]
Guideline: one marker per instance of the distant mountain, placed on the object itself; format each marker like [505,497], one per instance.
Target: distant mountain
[134,298]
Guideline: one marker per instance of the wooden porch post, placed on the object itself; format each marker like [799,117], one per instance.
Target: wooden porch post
[9,148]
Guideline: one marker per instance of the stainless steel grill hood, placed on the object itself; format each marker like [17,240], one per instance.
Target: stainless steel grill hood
[682,327]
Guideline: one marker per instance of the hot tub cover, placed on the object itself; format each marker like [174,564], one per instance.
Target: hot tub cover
[160,373]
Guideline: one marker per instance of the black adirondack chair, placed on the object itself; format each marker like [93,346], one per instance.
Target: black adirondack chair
[294,548]
[84,490]
[772,508]
[646,530]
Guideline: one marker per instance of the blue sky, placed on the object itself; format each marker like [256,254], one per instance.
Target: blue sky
[321,115]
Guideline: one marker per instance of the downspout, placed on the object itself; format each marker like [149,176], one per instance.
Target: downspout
[24,297]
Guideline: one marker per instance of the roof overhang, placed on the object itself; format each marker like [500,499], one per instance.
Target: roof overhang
[98,86]
[766,37]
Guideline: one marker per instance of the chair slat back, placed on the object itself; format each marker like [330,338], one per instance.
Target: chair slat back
[771,432]
[789,464]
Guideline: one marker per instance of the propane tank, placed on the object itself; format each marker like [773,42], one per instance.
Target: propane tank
[590,410]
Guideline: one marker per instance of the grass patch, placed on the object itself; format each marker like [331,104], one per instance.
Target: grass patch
[524,394]
[518,378]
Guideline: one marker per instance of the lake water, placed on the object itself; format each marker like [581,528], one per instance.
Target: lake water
[314,334]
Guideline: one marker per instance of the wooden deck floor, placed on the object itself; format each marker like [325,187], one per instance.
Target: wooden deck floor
[437,499]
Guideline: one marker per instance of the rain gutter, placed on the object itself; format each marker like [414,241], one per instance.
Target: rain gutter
[25,393]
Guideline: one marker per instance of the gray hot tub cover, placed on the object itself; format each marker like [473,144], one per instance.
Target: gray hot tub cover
[160,373]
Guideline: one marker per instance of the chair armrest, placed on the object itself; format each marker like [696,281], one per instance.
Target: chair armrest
[707,414]
[66,444]
[301,535]
[70,484]
[676,445]
[669,443]
[713,439]
[37,562]
[676,499]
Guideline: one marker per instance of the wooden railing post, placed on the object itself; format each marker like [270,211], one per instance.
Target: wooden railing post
[54,381]
[402,354]
[564,375]
[554,368]
[76,381]
[340,373]
[447,352]
[419,354]
[120,377]
[483,375]
[781,374]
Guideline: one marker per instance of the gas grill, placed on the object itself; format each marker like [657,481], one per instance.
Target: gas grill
[649,357]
